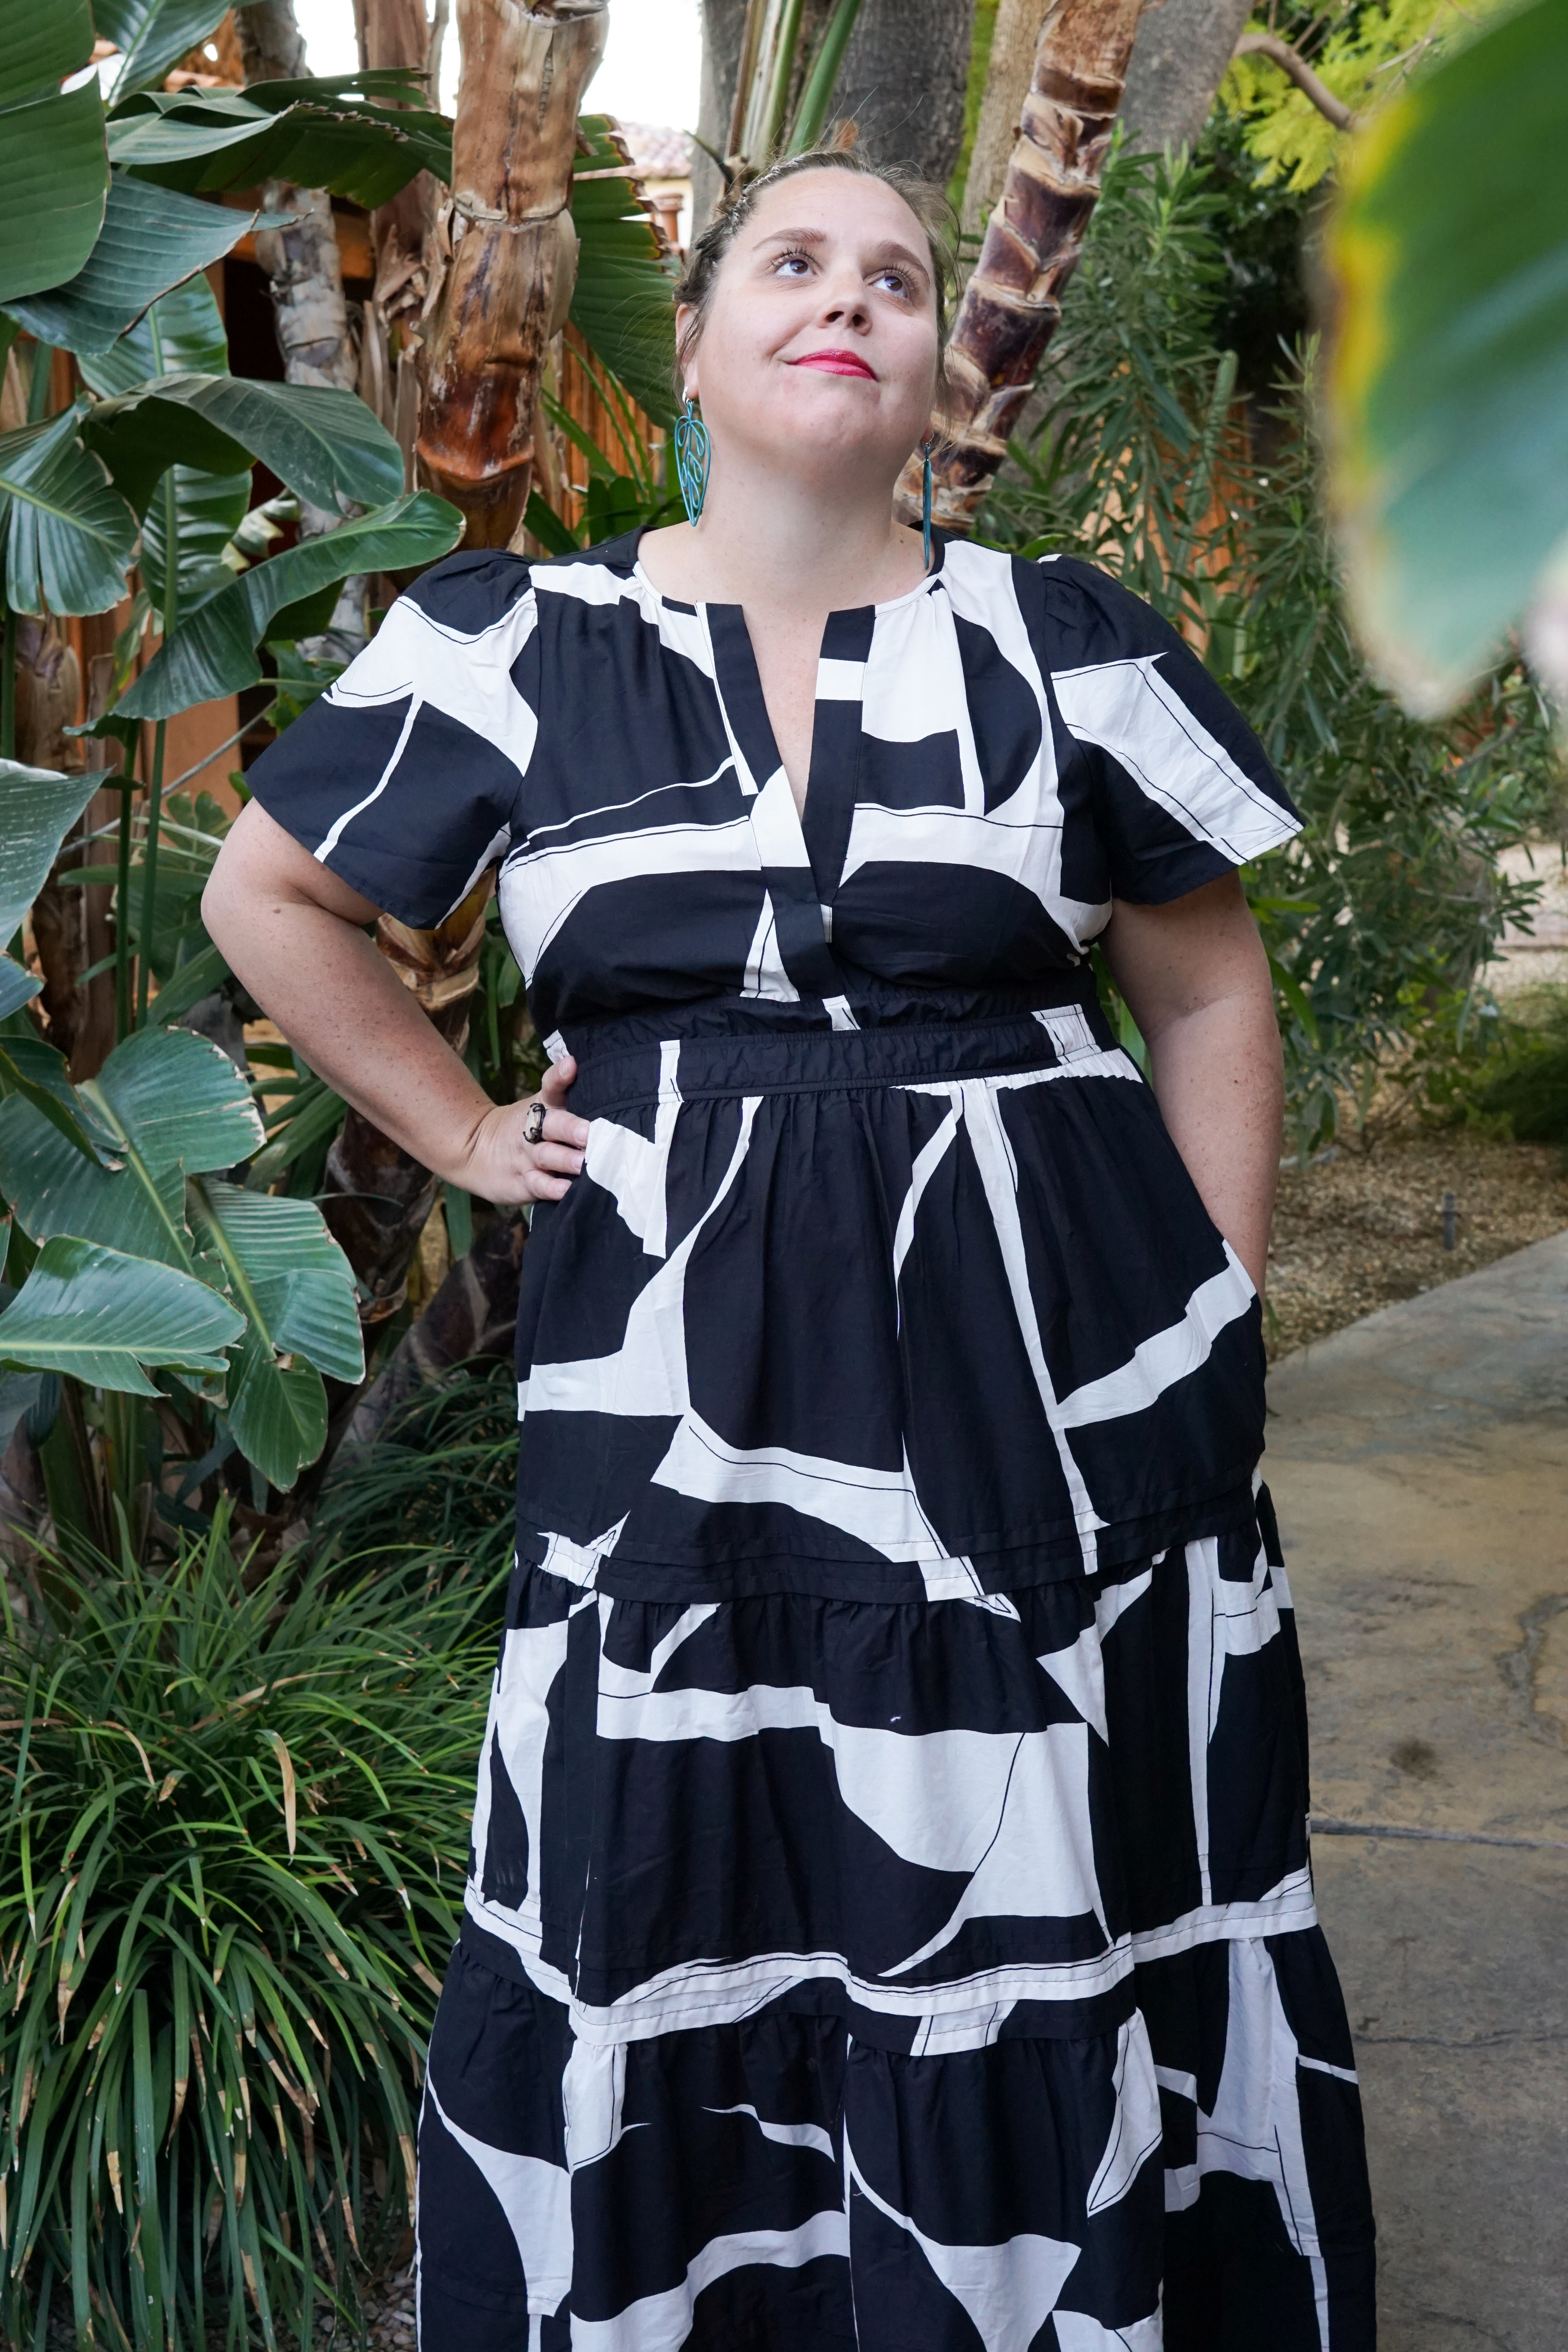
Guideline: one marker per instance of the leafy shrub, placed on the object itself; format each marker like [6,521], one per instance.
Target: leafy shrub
[1380,917]
[229,1875]
[1531,1089]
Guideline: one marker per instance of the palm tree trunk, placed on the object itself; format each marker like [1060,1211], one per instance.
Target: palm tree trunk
[506,255]
[1012,302]
[1007,76]
[393,33]
[315,335]
[375,1198]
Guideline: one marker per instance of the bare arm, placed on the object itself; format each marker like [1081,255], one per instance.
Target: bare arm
[295,936]
[1196,979]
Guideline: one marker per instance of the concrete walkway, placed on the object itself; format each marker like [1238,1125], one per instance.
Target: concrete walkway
[1419,1462]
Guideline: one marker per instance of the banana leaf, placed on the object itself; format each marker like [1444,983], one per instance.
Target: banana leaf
[71,536]
[336,135]
[151,240]
[181,334]
[623,301]
[326,444]
[104,1317]
[153,35]
[179,1114]
[1448,381]
[54,165]
[215,651]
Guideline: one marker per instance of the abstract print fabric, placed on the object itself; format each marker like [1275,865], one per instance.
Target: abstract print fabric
[890,1917]
[933,1974]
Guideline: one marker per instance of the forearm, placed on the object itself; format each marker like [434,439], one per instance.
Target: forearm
[1217,1076]
[342,1006]
[294,933]
[1195,976]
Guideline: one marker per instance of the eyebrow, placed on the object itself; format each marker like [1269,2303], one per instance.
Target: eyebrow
[889,252]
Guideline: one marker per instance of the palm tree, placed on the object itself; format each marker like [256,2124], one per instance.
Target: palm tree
[1013,300]
[506,253]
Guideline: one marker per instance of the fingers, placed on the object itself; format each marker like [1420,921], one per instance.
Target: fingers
[559,1126]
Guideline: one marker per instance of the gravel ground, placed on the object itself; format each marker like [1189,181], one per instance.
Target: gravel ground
[1353,1233]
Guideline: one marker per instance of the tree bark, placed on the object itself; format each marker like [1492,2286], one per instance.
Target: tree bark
[1012,303]
[395,33]
[375,1198]
[1012,64]
[902,81]
[723,23]
[474,1313]
[1179,59]
[505,252]
[305,273]
[271,46]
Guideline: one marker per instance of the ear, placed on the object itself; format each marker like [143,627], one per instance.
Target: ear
[684,322]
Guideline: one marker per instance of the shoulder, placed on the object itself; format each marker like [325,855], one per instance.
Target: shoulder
[601,574]
[468,593]
[1076,612]
[1093,618]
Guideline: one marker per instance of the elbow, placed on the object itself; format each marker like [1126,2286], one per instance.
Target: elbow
[218,905]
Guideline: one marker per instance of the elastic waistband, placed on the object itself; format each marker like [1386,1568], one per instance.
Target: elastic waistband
[613,1074]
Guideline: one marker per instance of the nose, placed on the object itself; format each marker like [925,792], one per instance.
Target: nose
[844,301]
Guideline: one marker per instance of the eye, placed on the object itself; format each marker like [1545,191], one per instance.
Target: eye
[792,264]
[895,279]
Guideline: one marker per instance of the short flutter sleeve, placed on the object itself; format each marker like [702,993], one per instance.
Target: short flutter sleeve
[406,778]
[1181,788]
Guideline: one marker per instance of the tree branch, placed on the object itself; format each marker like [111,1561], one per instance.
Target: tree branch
[1291,61]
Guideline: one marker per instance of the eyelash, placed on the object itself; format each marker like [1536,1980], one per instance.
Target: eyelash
[798,253]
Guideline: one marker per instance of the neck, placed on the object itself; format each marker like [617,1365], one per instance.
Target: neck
[773,541]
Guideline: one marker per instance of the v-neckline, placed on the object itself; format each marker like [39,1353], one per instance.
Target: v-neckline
[740,682]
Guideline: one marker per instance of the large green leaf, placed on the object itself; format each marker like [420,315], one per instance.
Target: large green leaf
[16,987]
[317,134]
[1449,385]
[37,809]
[54,179]
[152,240]
[174,1109]
[326,444]
[103,1316]
[294,1285]
[173,1104]
[181,334]
[41,46]
[215,651]
[208,511]
[71,535]
[153,35]
[623,302]
[30,1067]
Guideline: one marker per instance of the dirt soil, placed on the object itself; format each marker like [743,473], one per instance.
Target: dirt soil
[1353,1233]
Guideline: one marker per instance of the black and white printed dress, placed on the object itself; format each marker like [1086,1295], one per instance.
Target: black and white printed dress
[890,1920]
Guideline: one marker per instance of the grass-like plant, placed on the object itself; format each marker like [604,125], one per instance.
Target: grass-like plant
[231,1865]
[441,1476]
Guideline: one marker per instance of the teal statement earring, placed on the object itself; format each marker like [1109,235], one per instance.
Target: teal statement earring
[693,451]
[925,494]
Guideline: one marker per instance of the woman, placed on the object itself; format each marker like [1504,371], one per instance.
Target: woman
[889,1919]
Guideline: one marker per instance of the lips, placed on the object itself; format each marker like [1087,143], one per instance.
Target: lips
[836,363]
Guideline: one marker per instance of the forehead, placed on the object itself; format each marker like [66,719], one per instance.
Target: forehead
[843,204]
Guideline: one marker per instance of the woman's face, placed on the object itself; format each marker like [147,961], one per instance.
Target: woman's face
[819,347]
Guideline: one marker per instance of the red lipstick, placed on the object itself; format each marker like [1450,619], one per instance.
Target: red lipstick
[836,363]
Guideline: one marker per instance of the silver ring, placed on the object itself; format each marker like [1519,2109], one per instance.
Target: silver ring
[533,1125]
